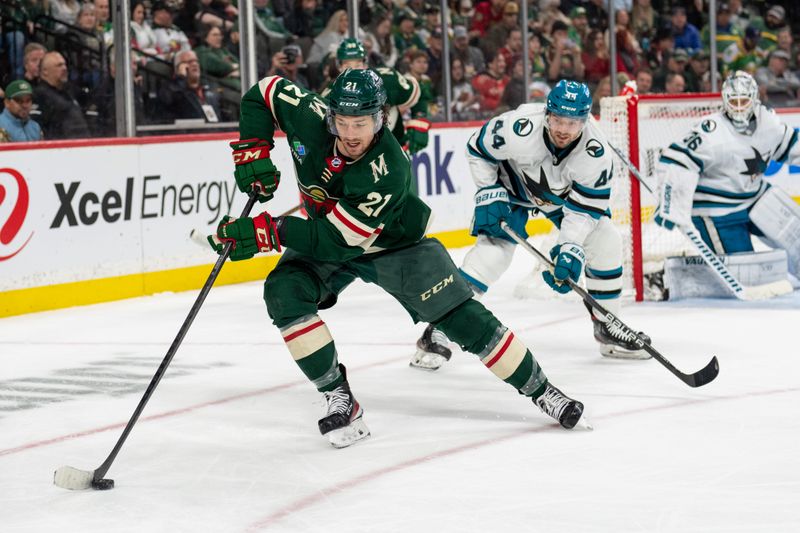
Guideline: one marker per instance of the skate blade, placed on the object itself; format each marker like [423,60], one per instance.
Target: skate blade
[348,435]
[71,478]
[584,423]
[427,360]
[615,352]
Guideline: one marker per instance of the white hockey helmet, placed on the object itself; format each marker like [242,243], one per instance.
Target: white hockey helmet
[739,98]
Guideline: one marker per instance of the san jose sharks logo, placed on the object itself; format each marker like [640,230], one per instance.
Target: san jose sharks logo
[542,192]
[594,148]
[523,127]
[756,166]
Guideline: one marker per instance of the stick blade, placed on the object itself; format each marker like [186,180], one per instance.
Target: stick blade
[71,478]
[705,375]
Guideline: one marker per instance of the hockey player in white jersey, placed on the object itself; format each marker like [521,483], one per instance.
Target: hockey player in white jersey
[552,160]
[712,178]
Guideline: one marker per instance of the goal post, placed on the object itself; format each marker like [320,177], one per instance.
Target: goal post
[641,126]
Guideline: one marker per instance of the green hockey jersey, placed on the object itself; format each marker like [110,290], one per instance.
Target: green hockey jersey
[354,207]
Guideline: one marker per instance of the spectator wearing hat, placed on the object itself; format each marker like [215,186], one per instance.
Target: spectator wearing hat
[470,56]
[749,57]
[498,33]
[432,21]
[579,30]
[169,38]
[491,83]
[699,65]
[729,36]
[676,64]
[15,120]
[773,23]
[777,85]
[58,112]
[435,53]
[685,34]
[486,15]
[564,55]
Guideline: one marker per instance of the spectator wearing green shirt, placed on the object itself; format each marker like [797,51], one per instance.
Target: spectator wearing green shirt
[774,21]
[729,37]
[217,60]
[406,38]
[748,58]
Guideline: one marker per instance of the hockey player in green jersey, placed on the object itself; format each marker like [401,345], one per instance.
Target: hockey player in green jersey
[363,222]
[402,93]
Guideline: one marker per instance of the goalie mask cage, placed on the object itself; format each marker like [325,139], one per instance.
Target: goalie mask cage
[641,126]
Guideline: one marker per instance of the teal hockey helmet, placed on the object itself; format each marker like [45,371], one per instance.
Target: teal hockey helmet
[570,99]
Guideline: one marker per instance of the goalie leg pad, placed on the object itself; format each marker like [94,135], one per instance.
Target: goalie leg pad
[691,277]
[777,216]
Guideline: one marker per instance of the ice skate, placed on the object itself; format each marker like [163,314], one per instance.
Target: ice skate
[432,350]
[343,425]
[616,343]
[565,410]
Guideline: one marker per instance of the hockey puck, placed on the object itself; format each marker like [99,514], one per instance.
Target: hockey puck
[103,484]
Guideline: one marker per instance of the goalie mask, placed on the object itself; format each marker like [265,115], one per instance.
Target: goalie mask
[739,99]
[357,93]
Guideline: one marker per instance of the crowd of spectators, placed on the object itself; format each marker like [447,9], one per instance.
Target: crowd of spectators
[186,52]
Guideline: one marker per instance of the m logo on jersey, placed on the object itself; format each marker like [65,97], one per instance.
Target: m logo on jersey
[708,125]
[594,148]
[378,167]
[523,127]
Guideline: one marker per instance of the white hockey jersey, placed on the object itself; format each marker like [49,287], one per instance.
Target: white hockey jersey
[731,165]
[571,186]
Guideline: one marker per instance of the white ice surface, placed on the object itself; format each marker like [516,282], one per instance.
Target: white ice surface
[229,441]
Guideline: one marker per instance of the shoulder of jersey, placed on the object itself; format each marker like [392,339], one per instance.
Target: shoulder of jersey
[593,148]
[520,123]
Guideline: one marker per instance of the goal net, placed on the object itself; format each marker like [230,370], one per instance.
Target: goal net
[641,126]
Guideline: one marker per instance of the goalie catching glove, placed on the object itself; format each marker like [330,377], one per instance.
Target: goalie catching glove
[568,259]
[248,235]
[254,169]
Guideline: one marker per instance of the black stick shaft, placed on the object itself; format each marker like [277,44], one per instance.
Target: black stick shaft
[212,277]
[699,378]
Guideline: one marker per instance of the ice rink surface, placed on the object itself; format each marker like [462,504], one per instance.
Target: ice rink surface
[229,441]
